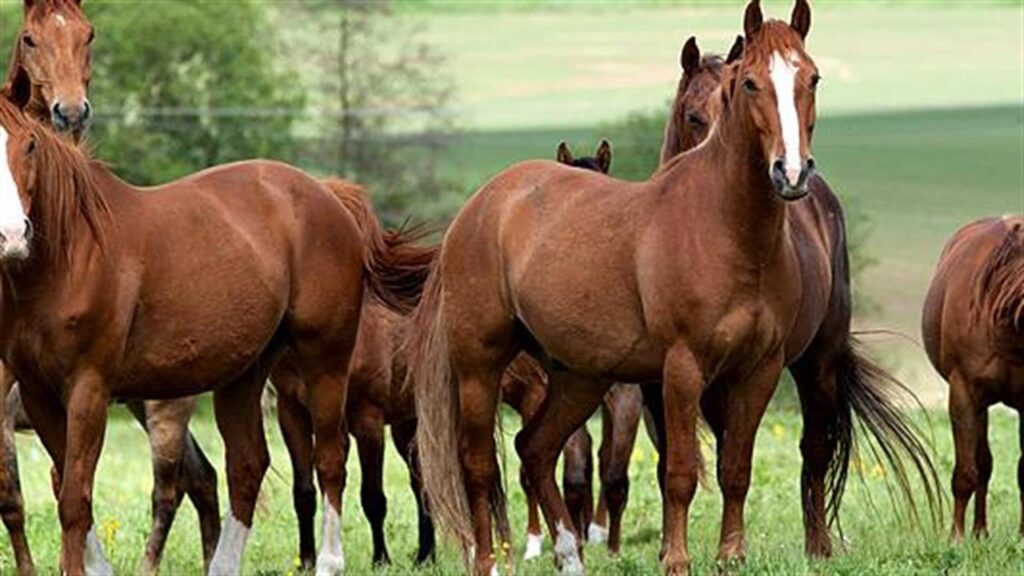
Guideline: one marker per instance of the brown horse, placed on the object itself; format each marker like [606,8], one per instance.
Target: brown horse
[50,68]
[376,397]
[190,287]
[832,354]
[586,272]
[973,326]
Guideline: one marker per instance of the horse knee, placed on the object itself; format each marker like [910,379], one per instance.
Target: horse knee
[616,489]
[734,480]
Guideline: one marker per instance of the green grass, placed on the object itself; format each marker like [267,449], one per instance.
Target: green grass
[878,541]
[590,62]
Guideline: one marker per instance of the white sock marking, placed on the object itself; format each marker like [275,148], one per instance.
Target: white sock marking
[783,74]
[567,551]
[597,534]
[12,214]
[95,562]
[227,559]
[534,546]
[331,560]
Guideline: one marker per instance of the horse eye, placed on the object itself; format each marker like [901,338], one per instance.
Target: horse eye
[749,85]
[28,41]
[695,120]
[92,36]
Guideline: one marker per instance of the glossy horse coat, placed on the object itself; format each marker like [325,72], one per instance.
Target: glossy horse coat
[973,328]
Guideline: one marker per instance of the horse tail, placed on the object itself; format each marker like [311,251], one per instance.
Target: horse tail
[866,393]
[999,291]
[437,413]
[396,267]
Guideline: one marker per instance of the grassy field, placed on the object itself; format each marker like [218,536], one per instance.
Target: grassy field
[877,540]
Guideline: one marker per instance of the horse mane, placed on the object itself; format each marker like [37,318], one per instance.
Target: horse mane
[999,290]
[66,190]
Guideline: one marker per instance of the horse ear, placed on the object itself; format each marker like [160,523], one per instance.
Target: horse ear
[801,18]
[604,156]
[690,58]
[736,52]
[564,156]
[753,19]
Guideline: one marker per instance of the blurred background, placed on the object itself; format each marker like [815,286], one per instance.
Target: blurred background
[921,108]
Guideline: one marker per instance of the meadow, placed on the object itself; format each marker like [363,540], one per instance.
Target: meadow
[922,130]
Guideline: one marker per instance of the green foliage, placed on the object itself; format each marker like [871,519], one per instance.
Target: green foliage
[179,86]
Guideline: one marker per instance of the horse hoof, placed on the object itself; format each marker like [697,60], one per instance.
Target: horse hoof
[328,564]
[596,533]
[534,546]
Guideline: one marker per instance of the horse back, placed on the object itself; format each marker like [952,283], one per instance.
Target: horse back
[973,317]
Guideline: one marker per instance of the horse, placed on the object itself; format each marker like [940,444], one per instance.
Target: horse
[199,285]
[720,323]
[973,328]
[376,397]
[51,66]
[833,354]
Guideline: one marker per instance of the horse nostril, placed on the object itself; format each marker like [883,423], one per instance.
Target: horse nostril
[810,164]
[86,111]
[28,229]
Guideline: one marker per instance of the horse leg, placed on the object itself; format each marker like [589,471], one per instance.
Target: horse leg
[654,423]
[683,383]
[86,423]
[963,413]
[623,408]
[327,386]
[240,422]
[296,426]
[533,397]
[815,379]
[367,425]
[571,399]
[166,439]
[200,478]
[746,403]
[12,508]
[404,433]
[983,455]
[577,478]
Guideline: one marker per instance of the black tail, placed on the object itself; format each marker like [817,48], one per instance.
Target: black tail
[867,393]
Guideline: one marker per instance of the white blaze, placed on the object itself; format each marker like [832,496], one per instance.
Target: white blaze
[60,20]
[95,563]
[331,560]
[783,74]
[12,214]
[227,559]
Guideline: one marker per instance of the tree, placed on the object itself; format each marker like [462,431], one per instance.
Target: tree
[179,86]
[390,98]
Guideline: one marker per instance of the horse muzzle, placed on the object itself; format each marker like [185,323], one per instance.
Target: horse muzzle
[15,241]
[791,184]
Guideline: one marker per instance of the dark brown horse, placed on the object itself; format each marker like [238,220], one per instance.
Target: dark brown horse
[973,326]
[50,69]
[194,286]
[692,277]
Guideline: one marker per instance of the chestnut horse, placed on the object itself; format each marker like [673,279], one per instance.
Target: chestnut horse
[587,272]
[50,68]
[973,327]
[823,370]
[376,397]
[111,292]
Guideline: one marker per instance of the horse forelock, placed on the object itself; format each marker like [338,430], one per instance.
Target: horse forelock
[999,290]
[65,189]
[775,36]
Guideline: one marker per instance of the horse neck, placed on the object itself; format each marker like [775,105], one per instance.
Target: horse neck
[730,189]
